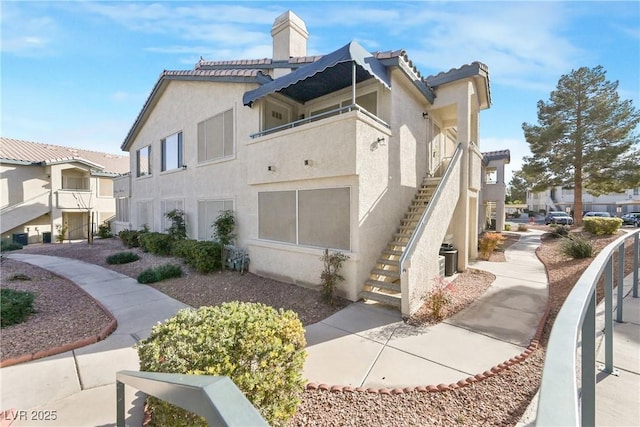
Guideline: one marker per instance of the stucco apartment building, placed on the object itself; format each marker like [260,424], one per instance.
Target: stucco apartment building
[352,151]
[562,199]
[45,187]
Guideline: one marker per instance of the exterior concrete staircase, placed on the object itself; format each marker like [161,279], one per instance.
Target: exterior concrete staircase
[383,285]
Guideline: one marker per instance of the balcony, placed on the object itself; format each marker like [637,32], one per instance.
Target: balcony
[74,199]
[335,143]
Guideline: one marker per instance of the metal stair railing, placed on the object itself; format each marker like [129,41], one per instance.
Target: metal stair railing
[215,398]
[560,402]
[429,209]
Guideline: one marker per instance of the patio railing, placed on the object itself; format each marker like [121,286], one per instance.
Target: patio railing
[560,402]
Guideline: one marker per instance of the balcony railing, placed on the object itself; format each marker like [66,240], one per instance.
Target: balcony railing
[316,117]
[560,402]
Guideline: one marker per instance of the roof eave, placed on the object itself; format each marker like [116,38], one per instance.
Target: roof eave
[161,85]
[424,89]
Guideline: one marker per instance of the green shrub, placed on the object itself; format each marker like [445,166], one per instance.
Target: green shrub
[9,245]
[15,306]
[130,238]
[169,271]
[523,227]
[260,348]
[150,275]
[153,275]
[577,247]
[601,225]
[156,243]
[330,275]
[205,257]
[178,228]
[558,230]
[122,258]
[507,227]
[104,230]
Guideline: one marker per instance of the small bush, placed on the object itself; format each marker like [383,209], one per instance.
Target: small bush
[507,227]
[8,245]
[150,275]
[560,230]
[104,231]
[523,227]
[488,243]
[163,272]
[205,257]
[169,271]
[156,243]
[601,225]
[330,275]
[15,306]
[130,238]
[122,258]
[260,348]
[577,247]
[438,298]
[178,228]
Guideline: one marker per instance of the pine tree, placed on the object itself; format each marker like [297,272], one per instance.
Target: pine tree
[586,138]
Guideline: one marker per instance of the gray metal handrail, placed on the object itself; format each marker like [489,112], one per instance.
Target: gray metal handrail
[217,399]
[558,402]
[315,117]
[430,206]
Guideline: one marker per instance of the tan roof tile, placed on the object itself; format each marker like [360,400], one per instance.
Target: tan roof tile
[27,151]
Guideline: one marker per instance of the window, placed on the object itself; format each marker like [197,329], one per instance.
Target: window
[167,206]
[208,211]
[122,209]
[318,218]
[215,137]
[105,187]
[75,181]
[172,152]
[143,159]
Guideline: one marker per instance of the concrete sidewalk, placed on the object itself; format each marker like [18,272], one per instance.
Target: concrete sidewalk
[77,387]
[362,345]
[370,346]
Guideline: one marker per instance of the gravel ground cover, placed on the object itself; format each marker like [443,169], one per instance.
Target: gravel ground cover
[498,400]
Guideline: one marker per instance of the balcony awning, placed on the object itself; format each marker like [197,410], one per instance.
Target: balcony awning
[330,73]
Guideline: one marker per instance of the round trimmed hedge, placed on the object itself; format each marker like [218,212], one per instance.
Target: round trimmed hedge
[260,348]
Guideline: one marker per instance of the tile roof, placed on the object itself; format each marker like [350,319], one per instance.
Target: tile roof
[34,152]
[497,155]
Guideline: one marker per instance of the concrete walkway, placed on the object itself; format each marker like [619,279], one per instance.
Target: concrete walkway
[369,346]
[77,387]
[360,346]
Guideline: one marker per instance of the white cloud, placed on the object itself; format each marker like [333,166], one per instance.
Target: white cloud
[27,35]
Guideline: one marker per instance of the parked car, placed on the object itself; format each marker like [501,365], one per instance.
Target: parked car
[631,218]
[600,214]
[558,217]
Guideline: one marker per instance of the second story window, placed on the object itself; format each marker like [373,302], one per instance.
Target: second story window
[172,152]
[143,161]
[215,137]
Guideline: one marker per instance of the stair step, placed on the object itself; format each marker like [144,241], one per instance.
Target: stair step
[406,228]
[402,235]
[386,261]
[386,273]
[392,252]
[387,299]
[390,286]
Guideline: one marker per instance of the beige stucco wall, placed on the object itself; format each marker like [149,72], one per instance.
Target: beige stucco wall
[21,182]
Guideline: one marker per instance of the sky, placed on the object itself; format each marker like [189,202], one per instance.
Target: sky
[77,73]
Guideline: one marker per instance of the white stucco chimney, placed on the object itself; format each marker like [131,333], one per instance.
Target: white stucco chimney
[290,36]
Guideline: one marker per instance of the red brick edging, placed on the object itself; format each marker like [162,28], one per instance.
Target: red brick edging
[104,333]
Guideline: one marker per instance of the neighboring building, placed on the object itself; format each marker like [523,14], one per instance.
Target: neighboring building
[562,199]
[45,187]
[494,188]
[340,151]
